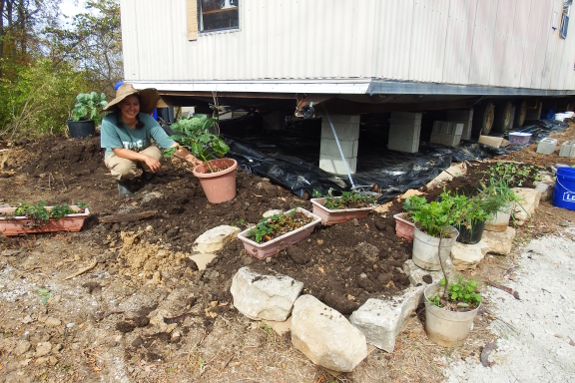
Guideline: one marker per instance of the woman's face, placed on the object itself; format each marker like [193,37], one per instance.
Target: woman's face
[130,107]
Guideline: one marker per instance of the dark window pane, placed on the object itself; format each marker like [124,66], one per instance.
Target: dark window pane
[220,14]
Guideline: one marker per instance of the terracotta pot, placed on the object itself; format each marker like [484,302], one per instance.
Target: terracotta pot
[331,217]
[219,186]
[20,225]
[269,248]
[403,227]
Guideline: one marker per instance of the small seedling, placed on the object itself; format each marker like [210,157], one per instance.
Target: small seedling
[45,293]
[463,293]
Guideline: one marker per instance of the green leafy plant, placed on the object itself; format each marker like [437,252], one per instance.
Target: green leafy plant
[413,204]
[348,199]
[45,294]
[270,228]
[462,293]
[88,106]
[514,173]
[38,211]
[194,133]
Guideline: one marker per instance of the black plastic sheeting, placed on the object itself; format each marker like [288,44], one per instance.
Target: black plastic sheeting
[539,130]
[289,158]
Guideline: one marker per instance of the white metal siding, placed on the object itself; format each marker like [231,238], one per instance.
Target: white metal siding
[508,43]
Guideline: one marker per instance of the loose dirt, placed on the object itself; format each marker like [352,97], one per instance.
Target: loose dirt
[110,324]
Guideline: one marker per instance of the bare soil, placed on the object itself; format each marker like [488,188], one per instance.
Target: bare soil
[102,325]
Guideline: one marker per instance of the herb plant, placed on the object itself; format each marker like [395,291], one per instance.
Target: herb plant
[461,294]
[270,228]
[348,200]
[194,133]
[88,106]
[39,212]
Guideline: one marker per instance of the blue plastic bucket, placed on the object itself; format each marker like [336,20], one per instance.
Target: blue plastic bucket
[564,193]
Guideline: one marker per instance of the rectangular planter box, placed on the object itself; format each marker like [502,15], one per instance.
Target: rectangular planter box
[269,248]
[518,139]
[403,228]
[20,225]
[331,217]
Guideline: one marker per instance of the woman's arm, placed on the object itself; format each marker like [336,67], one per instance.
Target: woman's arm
[128,154]
[185,155]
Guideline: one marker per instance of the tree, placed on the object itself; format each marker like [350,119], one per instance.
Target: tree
[93,45]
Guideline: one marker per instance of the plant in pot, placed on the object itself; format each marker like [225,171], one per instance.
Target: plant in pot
[338,209]
[499,202]
[468,215]
[85,114]
[217,175]
[39,218]
[271,235]
[403,222]
[433,235]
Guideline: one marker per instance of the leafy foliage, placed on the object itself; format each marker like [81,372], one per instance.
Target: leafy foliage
[194,133]
[513,173]
[39,212]
[348,200]
[463,293]
[270,228]
[38,100]
[45,294]
[88,106]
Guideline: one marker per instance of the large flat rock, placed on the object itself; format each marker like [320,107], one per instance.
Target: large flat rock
[215,239]
[264,297]
[526,207]
[380,320]
[325,336]
[466,256]
[498,242]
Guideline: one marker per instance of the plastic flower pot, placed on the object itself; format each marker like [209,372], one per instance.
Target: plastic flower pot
[472,234]
[82,128]
[21,225]
[425,246]
[403,227]
[218,186]
[444,327]
[331,217]
[270,248]
[501,219]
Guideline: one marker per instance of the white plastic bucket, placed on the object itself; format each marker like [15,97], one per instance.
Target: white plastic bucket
[569,114]
[560,116]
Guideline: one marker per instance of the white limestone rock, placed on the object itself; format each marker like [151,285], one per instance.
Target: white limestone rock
[381,320]
[545,189]
[466,256]
[526,207]
[416,273]
[499,242]
[215,239]
[264,297]
[325,336]
[271,213]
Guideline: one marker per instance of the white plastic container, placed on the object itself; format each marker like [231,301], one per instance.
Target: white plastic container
[569,114]
[560,116]
[424,251]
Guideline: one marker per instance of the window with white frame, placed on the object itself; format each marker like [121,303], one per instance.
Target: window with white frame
[565,18]
[218,15]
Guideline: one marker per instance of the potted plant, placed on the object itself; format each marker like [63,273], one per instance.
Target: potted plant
[217,175]
[85,114]
[499,203]
[403,222]
[449,314]
[469,216]
[350,205]
[271,235]
[433,234]
[39,218]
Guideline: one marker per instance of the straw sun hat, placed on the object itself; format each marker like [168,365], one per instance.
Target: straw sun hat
[148,98]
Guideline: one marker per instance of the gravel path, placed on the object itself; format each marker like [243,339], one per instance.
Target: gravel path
[536,335]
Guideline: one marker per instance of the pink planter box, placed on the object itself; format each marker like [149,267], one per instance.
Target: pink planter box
[331,217]
[20,225]
[403,228]
[269,248]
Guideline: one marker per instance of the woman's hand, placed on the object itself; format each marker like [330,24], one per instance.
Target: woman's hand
[153,164]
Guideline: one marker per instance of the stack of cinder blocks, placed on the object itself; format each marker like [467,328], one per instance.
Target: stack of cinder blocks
[347,130]
[446,133]
[547,146]
[465,117]
[404,130]
[567,149]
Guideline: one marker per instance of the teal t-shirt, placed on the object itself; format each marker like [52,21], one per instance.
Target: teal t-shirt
[112,137]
